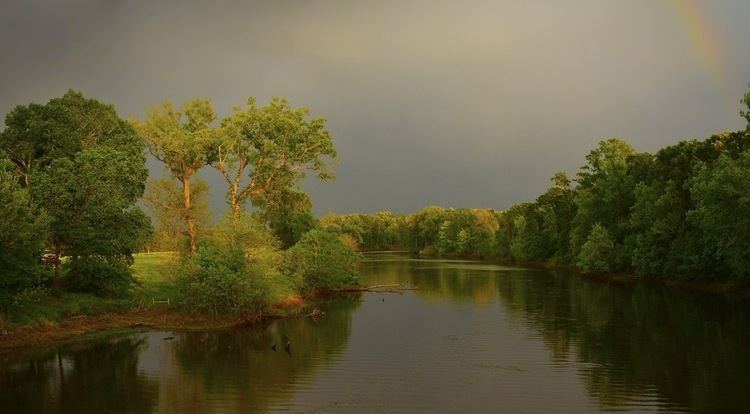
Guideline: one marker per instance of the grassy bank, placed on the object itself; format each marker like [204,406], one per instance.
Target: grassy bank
[152,270]
[52,315]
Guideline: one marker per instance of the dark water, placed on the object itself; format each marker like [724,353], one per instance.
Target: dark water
[473,337]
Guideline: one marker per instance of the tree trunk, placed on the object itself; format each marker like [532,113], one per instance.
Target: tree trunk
[189,213]
[234,203]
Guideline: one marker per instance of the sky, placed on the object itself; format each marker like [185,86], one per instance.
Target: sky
[459,104]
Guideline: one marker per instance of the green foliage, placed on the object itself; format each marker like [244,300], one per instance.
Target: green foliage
[274,146]
[604,194]
[91,200]
[223,282]
[290,218]
[163,200]
[43,305]
[248,233]
[86,168]
[182,139]
[234,270]
[721,192]
[321,261]
[597,252]
[101,276]
[379,231]
[22,229]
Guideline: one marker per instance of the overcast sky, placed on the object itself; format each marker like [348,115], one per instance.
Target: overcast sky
[455,103]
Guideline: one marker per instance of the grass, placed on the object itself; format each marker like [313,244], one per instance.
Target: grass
[155,273]
[152,270]
[156,277]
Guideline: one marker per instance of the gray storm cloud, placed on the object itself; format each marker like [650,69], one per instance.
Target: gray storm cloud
[464,104]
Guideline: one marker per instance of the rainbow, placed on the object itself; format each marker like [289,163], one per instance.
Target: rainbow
[706,43]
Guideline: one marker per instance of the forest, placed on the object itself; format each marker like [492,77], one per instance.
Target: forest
[683,212]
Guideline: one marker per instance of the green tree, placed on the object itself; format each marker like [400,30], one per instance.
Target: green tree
[604,195]
[94,221]
[85,167]
[721,192]
[289,215]
[558,212]
[597,252]
[321,261]
[22,231]
[182,139]
[164,200]
[264,153]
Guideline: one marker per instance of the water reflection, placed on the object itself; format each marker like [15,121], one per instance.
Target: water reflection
[102,377]
[640,342]
[229,370]
[471,337]
[634,346]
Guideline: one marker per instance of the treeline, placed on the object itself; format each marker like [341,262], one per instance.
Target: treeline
[72,174]
[682,212]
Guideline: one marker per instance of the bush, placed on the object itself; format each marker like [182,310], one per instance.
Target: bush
[596,253]
[219,282]
[321,261]
[99,276]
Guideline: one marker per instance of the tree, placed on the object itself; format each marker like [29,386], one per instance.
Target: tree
[596,253]
[559,210]
[94,221]
[274,146]
[182,140]
[721,192]
[164,200]
[321,261]
[22,231]
[604,195]
[85,167]
[289,217]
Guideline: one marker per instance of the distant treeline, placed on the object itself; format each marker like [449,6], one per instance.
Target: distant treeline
[682,212]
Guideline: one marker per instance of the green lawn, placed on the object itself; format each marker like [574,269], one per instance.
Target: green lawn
[155,271]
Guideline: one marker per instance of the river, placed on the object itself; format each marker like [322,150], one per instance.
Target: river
[470,337]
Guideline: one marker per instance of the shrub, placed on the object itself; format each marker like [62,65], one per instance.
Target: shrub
[217,281]
[350,241]
[321,261]
[99,276]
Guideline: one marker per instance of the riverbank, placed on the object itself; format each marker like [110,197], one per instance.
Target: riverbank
[734,289]
[153,304]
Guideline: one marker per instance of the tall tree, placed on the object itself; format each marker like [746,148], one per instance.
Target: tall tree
[181,139]
[604,195]
[265,152]
[722,201]
[164,200]
[86,167]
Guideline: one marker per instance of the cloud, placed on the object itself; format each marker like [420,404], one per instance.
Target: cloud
[474,103]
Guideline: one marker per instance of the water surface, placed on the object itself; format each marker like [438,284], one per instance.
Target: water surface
[472,337]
